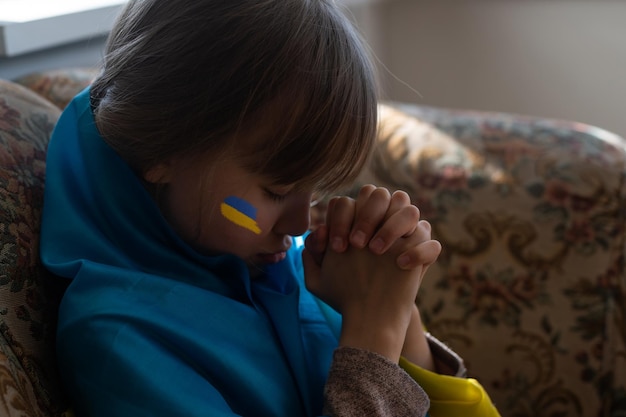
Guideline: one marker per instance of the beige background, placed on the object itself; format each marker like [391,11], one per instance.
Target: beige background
[555,58]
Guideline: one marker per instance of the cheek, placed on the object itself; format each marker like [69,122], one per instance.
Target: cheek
[242,213]
[219,234]
[247,218]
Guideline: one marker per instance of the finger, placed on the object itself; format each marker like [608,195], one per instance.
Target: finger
[317,242]
[403,223]
[422,232]
[425,253]
[318,213]
[339,221]
[364,193]
[399,200]
[312,271]
[370,213]
[425,225]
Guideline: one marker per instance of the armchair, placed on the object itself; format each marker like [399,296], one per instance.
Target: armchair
[529,289]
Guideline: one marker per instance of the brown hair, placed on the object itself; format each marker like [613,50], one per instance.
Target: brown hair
[185,77]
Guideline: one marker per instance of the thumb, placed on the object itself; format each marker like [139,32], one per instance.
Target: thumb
[425,254]
[316,243]
[312,270]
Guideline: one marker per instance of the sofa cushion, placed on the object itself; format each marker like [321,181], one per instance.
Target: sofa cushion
[530,286]
[28,378]
[58,86]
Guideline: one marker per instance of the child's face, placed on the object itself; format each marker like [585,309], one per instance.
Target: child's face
[231,210]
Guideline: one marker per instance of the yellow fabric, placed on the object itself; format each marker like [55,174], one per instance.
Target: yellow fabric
[452,396]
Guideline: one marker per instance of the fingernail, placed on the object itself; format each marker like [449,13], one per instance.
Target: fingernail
[337,244]
[358,239]
[377,245]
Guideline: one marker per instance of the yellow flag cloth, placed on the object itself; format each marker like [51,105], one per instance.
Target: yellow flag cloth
[452,396]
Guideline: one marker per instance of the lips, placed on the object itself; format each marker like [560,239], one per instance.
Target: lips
[272,258]
[276,255]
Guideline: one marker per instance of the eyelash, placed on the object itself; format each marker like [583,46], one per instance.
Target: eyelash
[276,197]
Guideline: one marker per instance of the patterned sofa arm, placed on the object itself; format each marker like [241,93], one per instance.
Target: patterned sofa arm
[530,285]
[58,86]
[29,108]
[28,374]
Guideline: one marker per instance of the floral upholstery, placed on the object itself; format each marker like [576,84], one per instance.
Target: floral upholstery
[58,86]
[28,381]
[529,288]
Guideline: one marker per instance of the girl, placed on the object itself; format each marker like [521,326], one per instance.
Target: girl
[175,186]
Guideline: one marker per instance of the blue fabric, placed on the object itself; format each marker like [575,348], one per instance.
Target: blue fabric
[148,327]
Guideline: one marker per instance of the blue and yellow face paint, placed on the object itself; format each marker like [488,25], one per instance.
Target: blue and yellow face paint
[240,212]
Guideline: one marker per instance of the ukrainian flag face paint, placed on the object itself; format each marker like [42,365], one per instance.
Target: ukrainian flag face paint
[240,212]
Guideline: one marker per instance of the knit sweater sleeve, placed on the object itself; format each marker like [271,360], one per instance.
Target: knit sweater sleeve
[362,383]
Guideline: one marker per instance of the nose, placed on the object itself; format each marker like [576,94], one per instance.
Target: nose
[295,218]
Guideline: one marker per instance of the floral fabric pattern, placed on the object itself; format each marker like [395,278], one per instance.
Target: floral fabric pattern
[58,86]
[530,286]
[28,380]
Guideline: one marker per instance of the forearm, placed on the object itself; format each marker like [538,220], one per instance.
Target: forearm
[427,352]
[416,348]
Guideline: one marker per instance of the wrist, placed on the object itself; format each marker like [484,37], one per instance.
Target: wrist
[385,337]
[416,348]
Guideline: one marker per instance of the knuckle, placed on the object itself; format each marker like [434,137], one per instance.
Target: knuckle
[342,199]
[381,193]
[342,203]
[366,225]
[424,224]
[401,197]
[413,213]
[367,189]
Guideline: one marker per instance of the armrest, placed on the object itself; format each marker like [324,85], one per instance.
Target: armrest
[28,371]
[58,86]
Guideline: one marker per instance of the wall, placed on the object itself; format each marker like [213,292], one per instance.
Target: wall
[36,36]
[86,22]
[78,54]
[556,58]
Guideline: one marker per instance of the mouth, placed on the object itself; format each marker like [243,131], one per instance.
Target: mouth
[275,256]
[271,258]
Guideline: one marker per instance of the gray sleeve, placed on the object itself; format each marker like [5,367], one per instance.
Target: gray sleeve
[446,360]
[362,383]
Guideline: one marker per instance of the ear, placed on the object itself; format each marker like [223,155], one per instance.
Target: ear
[158,174]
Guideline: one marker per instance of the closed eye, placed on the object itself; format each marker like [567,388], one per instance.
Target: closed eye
[275,196]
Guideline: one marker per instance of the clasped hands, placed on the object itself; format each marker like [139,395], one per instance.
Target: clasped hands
[367,262]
